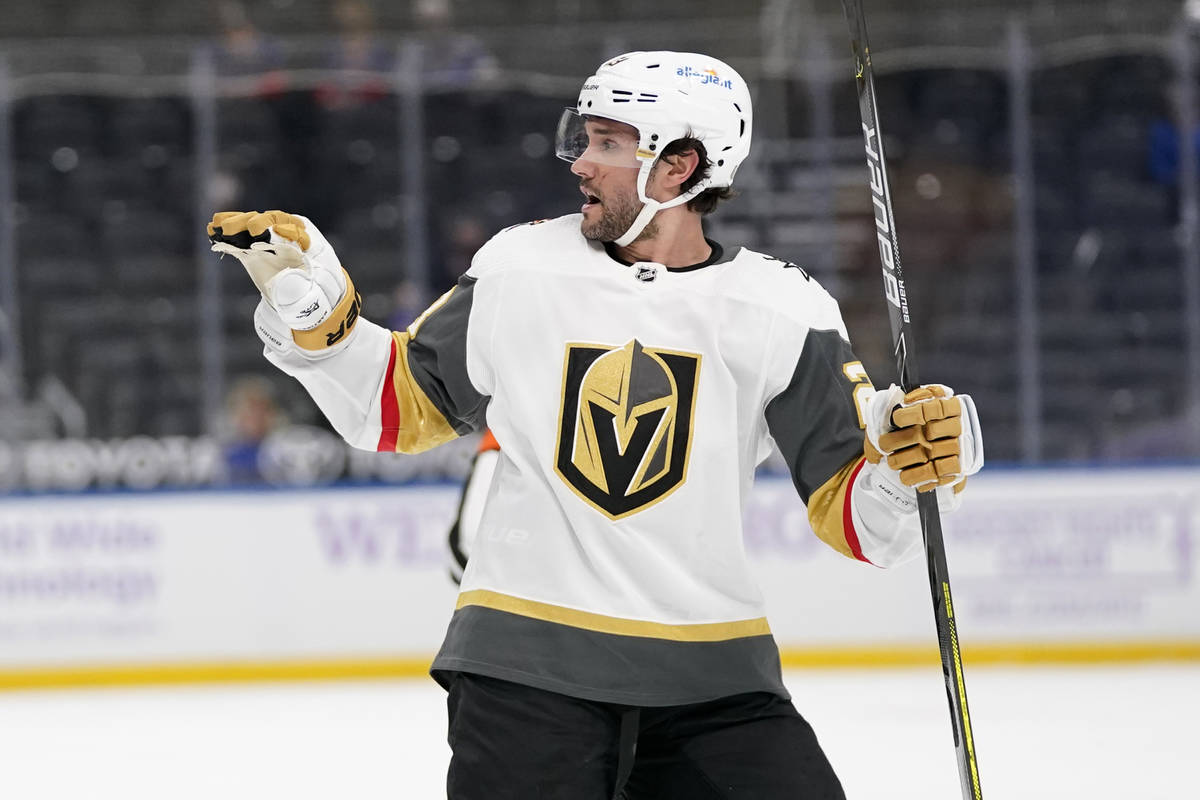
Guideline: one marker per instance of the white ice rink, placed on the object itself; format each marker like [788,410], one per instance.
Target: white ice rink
[1097,733]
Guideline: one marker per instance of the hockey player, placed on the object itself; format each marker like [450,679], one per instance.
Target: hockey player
[461,537]
[609,639]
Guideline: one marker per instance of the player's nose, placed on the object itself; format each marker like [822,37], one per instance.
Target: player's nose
[583,168]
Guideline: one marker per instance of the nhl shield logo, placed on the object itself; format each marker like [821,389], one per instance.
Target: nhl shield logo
[625,428]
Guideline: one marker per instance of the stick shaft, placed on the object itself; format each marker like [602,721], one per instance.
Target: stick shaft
[906,365]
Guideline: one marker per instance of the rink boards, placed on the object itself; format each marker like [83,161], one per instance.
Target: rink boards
[1074,566]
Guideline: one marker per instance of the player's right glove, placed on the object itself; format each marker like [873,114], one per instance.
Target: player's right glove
[928,439]
[309,304]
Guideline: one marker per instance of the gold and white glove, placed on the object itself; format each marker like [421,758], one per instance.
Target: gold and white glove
[309,302]
[924,440]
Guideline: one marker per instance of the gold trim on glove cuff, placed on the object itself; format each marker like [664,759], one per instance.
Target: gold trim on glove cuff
[337,326]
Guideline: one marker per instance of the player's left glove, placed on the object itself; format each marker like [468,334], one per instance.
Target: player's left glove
[928,439]
[309,302]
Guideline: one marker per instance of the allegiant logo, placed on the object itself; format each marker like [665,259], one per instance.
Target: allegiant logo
[705,76]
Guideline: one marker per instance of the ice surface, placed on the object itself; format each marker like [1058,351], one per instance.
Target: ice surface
[1097,733]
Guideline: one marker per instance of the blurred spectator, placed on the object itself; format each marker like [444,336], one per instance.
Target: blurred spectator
[1157,440]
[252,413]
[451,58]
[365,62]
[465,236]
[243,50]
[1163,138]
[409,301]
[1191,9]
[1164,151]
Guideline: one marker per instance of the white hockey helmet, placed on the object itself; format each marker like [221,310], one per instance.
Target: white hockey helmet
[666,96]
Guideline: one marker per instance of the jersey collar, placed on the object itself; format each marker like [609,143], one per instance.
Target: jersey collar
[718,255]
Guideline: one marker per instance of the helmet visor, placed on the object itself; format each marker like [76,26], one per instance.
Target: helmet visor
[596,139]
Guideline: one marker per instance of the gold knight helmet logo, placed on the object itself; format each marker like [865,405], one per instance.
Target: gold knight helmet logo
[625,427]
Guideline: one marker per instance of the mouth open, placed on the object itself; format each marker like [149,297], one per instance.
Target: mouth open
[590,200]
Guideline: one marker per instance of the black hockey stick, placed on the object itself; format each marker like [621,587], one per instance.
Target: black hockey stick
[893,289]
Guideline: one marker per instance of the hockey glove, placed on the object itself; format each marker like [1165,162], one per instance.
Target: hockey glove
[928,439]
[309,302]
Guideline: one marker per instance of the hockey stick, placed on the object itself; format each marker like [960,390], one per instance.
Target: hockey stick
[898,312]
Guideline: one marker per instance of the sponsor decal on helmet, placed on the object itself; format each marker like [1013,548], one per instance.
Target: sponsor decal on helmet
[706,76]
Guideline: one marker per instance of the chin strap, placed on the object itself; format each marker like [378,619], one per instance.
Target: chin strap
[650,207]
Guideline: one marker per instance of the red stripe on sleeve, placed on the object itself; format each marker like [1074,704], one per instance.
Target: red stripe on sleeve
[848,517]
[390,413]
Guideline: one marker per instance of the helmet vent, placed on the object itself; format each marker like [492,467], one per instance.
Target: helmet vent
[646,97]
[653,66]
[739,108]
[742,130]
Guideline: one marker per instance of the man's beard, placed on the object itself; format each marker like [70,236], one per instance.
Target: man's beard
[616,216]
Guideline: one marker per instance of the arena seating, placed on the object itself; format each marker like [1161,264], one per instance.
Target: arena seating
[107,241]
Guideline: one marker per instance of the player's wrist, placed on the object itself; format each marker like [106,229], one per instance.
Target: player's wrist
[288,343]
[882,482]
[336,325]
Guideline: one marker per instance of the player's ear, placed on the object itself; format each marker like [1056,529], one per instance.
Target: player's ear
[675,168]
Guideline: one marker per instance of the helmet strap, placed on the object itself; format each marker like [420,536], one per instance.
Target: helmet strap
[650,207]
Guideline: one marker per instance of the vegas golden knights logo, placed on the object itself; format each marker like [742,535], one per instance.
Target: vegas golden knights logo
[625,428]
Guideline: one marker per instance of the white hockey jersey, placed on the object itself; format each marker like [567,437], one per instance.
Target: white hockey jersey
[632,404]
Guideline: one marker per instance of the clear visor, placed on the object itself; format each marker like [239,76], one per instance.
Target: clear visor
[596,139]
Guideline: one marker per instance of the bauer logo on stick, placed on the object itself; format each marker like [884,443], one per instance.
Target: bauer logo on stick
[893,288]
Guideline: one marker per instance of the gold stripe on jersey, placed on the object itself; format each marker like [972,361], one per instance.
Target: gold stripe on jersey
[699,632]
[826,510]
[420,426]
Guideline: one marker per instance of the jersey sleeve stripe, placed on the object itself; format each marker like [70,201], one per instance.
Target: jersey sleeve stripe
[389,408]
[416,424]
[438,358]
[829,512]
[848,517]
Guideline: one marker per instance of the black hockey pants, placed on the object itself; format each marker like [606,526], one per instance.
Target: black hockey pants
[514,742]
